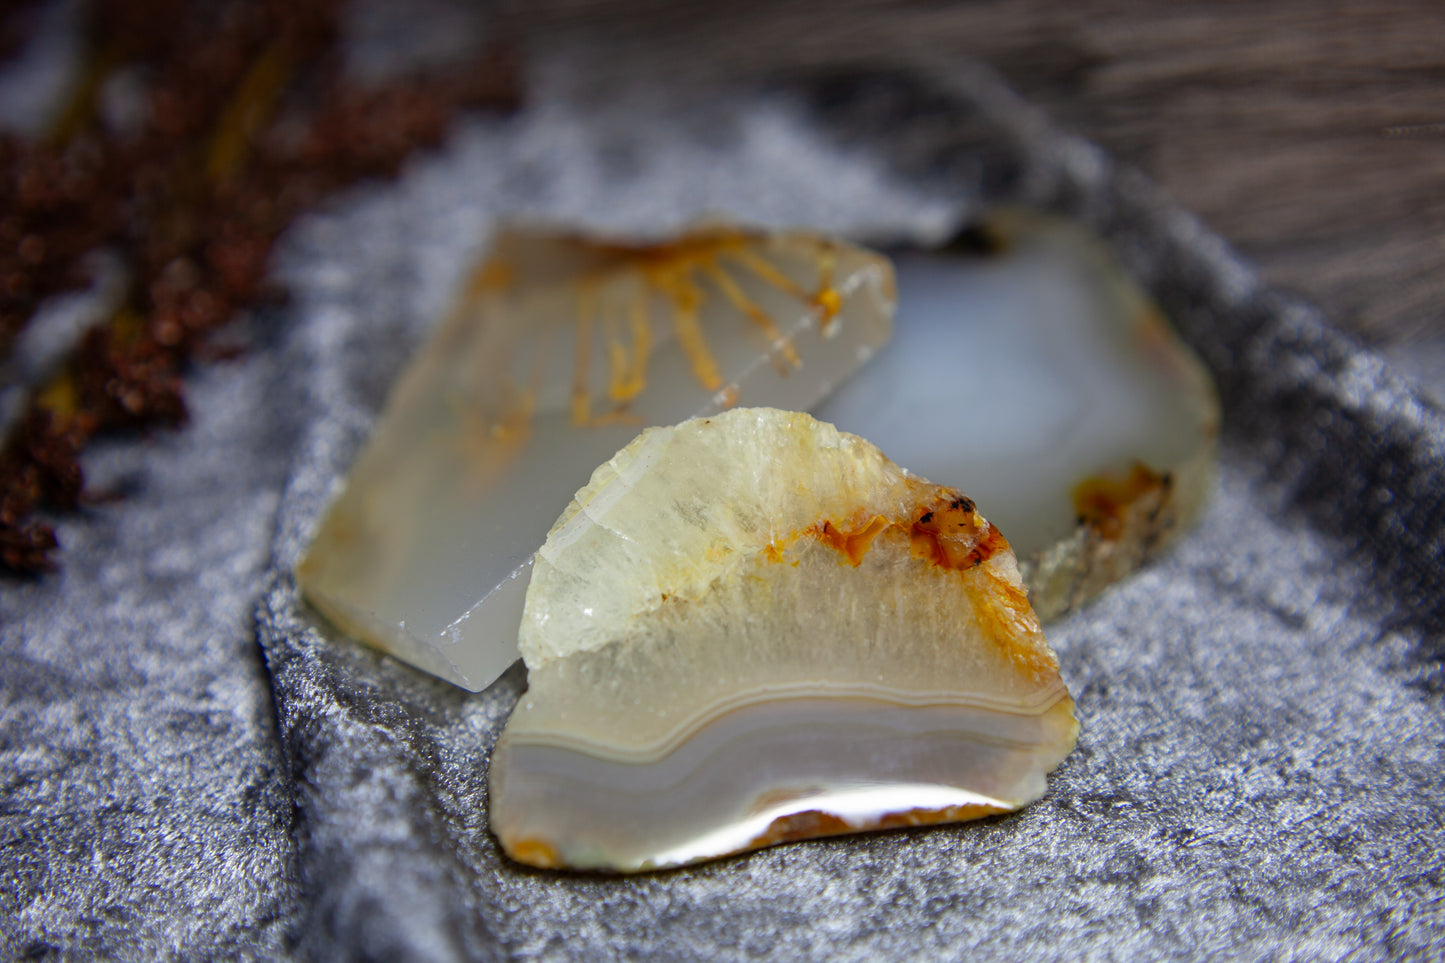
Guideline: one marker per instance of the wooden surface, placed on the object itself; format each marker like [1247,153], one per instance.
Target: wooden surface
[1311,135]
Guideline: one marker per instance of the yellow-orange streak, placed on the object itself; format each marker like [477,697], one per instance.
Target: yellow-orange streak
[493,436]
[852,545]
[492,276]
[616,356]
[827,261]
[1104,501]
[534,852]
[252,106]
[944,529]
[586,311]
[492,441]
[686,299]
[768,273]
[828,301]
[636,379]
[757,315]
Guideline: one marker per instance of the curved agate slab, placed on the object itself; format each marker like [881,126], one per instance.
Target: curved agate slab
[1069,406]
[557,352]
[754,628]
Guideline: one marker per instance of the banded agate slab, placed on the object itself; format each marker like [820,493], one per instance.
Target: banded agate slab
[753,628]
[557,352]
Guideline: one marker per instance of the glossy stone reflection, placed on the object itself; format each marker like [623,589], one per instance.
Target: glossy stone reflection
[1030,371]
[754,628]
[556,353]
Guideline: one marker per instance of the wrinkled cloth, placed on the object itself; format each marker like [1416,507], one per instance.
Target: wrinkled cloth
[145,804]
[1260,762]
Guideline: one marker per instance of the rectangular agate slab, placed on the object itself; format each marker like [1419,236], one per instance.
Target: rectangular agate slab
[557,352]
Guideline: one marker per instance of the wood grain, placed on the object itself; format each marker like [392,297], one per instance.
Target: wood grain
[1311,135]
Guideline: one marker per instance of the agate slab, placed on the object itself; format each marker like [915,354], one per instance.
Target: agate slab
[1031,372]
[556,353]
[753,628]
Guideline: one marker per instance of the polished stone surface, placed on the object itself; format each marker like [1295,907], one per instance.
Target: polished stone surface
[556,351]
[753,628]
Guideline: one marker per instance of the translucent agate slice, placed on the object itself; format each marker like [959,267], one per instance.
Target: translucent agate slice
[558,352]
[1044,382]
[754,628]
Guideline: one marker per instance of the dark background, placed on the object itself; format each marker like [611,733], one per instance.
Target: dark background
[1310,134]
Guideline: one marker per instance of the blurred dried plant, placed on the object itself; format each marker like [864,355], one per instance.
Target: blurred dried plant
[245,119]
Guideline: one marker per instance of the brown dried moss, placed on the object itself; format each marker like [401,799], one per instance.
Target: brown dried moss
[192,200]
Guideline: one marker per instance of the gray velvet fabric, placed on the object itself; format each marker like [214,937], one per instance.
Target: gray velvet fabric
[145,805]
[1259,768]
